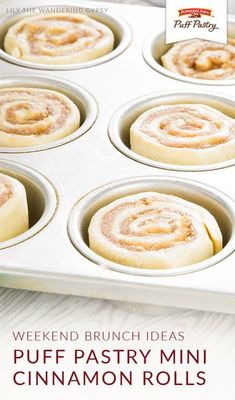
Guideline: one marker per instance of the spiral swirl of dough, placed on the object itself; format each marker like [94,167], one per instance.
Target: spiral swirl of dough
[5,189]
[154,230]
[58,39]
[13,208]
[32,116]
[202,59]
[188,134]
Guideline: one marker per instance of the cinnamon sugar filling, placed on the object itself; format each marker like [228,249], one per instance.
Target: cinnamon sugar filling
[163,227]
[46,39]
[5,191]
[187,128]
[195,59]
[32,112]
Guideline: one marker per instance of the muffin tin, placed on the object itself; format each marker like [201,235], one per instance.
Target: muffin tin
[68,180]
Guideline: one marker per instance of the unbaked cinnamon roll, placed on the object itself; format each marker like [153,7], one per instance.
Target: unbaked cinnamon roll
[186,134]
[153,230]
[201,59]
[32,116]
[13,208]
[58,39]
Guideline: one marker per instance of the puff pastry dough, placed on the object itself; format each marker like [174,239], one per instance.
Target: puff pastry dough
[186,134]
[58,39]
[153,230]
[32,116]
[13,208]
[201,59]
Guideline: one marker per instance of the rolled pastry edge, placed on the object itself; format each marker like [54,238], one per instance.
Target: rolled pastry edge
[148,148]
[14,218]
[208,244]
[71,124]
[17,47]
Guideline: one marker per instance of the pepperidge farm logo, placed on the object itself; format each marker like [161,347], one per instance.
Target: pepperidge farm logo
[208,22]
[195,12]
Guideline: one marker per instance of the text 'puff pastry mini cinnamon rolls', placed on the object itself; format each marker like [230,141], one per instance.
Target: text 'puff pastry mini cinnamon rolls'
[186,134]
[58,39]
[13,208]
[201,59]
[32,116]
[153,231]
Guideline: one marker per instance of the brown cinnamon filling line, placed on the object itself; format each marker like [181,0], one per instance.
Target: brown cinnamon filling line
[191,129]
[179,224]
[48,40]
[5,191]
[26,113]
[32,112]
[187,63]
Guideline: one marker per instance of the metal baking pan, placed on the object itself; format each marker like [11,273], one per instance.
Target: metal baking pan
[67,181]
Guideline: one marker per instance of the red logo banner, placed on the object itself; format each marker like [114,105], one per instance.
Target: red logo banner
[195,11]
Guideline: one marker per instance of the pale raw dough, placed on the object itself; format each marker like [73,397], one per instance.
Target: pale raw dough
[201,59]
[154,231]
[58,39]
[184,134]
[13,208]
[32,116]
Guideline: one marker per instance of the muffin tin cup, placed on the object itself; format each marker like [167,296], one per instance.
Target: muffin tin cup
[57,258]
[81,97]
[155,46]
[216,202]
[41,196]
[124,117]
[120,28]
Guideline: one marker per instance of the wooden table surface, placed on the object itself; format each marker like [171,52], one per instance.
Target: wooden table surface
[25,310]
